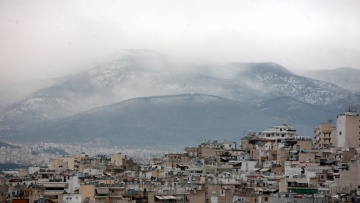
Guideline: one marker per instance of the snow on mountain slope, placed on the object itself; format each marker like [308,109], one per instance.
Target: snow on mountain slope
[279,82]
[346,78]
[144,73]
[12,92]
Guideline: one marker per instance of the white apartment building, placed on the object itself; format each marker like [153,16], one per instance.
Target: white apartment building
[348,129]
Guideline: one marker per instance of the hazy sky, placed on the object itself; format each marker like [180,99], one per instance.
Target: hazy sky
[40,39]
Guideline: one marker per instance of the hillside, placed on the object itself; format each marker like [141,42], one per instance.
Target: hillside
[267,93]
[174,120]
[143,73]
[346,78]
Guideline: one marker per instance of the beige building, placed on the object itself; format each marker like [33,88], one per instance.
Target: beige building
[348,129]
[307,157]
[59,164]
[87,191]
[172,159]
[117,159]
[325,135]
[64,163]
[304,144]
[347,179]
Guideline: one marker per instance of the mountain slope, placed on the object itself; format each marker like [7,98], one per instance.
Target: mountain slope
[346,78]
[128,76]
[11,92]
[144,73]
[173,120]
[278,82]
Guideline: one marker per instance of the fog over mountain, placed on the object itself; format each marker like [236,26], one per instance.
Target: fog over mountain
[11,92]
[139,94]
[346,78]
[45,40]
[220,69]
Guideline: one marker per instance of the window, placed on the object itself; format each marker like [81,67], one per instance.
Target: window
[266,198]
[339,132]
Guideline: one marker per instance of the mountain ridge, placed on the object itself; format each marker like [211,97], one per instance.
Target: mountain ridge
[153,75]
[169,120]
[345,77]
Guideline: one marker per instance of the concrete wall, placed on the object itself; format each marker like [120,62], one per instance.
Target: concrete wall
[349,179]
[306,157]
[348,130]
[69,198]
[117,159]
[87,191]
[70,162]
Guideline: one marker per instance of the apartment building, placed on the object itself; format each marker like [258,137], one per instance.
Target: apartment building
[348,129]
[325,136]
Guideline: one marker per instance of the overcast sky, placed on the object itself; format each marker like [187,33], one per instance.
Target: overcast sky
[40,39]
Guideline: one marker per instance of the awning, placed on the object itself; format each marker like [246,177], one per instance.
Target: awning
[165,197]
[303,190]
[169,197]
[256,169]
[298,180]
[159,197]
[53,185]
[234,162]
[265,169]
[301,181]
[102,191]
[329,162]
[328,183]
[271,190]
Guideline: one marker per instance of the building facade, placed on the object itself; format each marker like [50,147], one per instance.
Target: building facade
[348,130]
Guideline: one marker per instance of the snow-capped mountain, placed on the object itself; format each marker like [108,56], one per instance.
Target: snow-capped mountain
[133,74]
[346,78]
[11,92]
[143,73]
[175,120]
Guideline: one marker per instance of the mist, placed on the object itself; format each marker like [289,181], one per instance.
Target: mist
[42,39]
